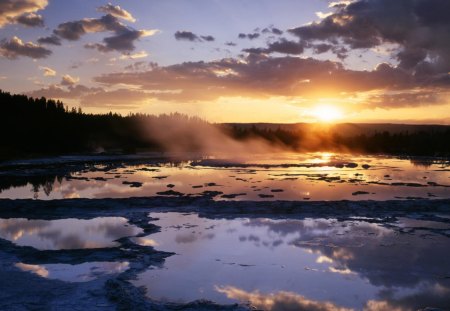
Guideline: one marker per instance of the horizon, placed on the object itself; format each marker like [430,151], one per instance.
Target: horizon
[284,62]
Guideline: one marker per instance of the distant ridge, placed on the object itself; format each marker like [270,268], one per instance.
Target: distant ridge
[346,129]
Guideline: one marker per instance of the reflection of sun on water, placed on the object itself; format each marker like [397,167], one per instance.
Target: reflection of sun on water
[326,113]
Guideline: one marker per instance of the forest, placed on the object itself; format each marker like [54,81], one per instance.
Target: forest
[38,126]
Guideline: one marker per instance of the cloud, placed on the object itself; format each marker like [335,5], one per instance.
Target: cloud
[282,46]
[250,36]
[419,27]
[48,72]
[411,98]
[141,54]
[21,11]
[116,99]
[30,20]
[116,11]
[260,76]
[56,91]
[50,40]
[190,36]
[272,30]
[69,80]
[279,301]
[15,47]
[122,40]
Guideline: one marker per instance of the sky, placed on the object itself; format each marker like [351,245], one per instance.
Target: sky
[278,61]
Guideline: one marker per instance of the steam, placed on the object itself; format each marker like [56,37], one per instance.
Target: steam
[175,135]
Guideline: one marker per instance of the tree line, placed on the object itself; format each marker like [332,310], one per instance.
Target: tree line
[40,126]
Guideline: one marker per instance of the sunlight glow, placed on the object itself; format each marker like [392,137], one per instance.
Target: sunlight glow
[326,113]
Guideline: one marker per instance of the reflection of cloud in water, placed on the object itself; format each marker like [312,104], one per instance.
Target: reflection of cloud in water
[436,296]
[428,295]
[36,269]
[14,229]
[278,302]
[66,233]
[384,256]
[75,273]
[185,238]
[145,241]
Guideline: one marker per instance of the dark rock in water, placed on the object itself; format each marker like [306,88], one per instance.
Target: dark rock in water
[360,192]
[170,186]
[160,177]
[232,195]
[365,166]
[170,192]
[211,184]
[197,186]
[351,165]
[276,190]
[148,169]
[100,178]
[133,184]
[262,195]
[211,194]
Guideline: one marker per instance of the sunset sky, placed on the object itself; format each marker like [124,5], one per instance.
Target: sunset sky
[234,60]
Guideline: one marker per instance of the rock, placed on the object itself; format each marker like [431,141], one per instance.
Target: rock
[170,192]
[133,184]
[360,192]
[262,195]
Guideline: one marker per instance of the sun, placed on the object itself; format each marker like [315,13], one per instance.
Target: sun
[326,113]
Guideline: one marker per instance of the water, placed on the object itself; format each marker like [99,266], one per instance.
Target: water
[317,176]
[66,233]
[274,263]
[84,272]
[287,264]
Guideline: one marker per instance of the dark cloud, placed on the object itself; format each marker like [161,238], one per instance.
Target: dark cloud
[208,38]
[229,43]
[117,11]
[21,11]
[282,46]
[122,40]
[261,76]
[250,36]
[30,20]
[286,47]
[421,28]
[75,29]
[15,47]
[272,30]
[190,36]
[50,40]
[412,98]
[186,35]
